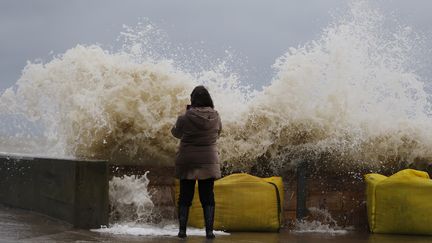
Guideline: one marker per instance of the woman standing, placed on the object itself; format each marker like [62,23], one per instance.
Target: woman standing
[197,157]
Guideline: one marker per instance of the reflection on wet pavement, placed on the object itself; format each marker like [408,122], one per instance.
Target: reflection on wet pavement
[24,226]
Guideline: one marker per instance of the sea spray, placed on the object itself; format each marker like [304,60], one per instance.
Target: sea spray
[319,221]
[131,201]
[132,211]
[347,99]
[101,105]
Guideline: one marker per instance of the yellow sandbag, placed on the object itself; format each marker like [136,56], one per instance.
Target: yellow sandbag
[401,203]
[243,203]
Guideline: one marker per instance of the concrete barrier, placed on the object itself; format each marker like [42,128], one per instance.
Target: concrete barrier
[340,193]
[71,190]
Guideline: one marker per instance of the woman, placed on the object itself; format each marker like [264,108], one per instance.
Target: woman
[197,157]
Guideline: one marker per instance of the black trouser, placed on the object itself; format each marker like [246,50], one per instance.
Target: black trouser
[205,189]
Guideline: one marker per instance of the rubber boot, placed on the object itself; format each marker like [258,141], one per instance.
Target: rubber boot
[183,214]
[208,220]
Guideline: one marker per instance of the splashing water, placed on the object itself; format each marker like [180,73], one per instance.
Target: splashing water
[132,211]
[130,200]
[322,222]
[348,98]
[342,99]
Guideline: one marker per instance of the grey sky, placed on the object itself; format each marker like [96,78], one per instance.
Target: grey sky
[259,31]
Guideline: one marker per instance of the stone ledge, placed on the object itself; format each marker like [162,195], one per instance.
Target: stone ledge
[71,190]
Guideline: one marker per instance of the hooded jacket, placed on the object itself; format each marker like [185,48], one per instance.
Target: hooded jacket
[198,130]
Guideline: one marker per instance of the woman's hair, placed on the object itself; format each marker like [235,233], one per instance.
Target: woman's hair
[200,97]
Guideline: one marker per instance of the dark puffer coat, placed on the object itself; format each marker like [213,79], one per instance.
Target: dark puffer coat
[197,157]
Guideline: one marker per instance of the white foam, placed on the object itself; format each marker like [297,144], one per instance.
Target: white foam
[315,226]
[133,212]
[130,200]
[319,221]
[151,230]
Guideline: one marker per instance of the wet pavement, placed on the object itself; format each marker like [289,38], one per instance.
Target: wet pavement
[24,226]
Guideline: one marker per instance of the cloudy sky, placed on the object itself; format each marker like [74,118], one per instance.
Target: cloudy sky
[256,31]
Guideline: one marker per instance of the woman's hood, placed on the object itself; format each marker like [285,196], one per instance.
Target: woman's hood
[203,117]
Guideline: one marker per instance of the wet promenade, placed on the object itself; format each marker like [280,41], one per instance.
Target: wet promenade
[24,226]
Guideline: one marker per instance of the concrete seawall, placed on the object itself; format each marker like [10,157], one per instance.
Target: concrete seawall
[342,194]
[71,190]
[77,191]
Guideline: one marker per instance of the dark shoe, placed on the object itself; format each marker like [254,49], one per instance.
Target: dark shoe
[183,213]
[210,235]
[208,220]
[182,234]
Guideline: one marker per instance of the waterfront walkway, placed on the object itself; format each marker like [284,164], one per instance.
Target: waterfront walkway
[24,226]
